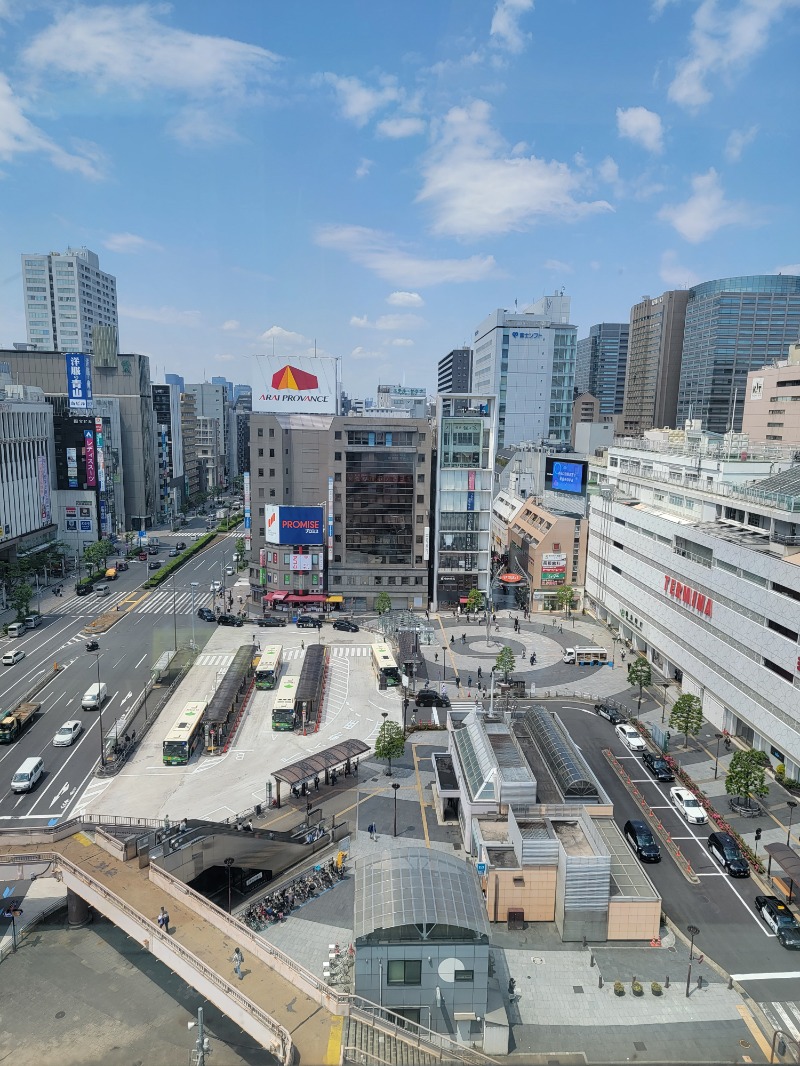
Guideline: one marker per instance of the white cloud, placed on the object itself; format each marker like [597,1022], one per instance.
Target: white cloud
[198,125]
[226,357]
[364,167]
[706,210]
[641,126]
[130,243]
[165,316]
[287,342]
[389,322]
[380,253]
[401,342]
[476,188]
[505,24]
[557,266]
[395,128]
[359,102]
[231,325]
[129,49]
[19,136]
[792,268]
[674,274]
[366,353]
[722,42]
[737,141]
[405,299]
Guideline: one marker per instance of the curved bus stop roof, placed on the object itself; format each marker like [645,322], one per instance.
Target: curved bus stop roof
[787,858]
[304,769]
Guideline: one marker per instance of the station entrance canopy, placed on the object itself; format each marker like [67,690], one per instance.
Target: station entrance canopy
[321,763]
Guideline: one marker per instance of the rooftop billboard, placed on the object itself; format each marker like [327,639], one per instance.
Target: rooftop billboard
[300,385]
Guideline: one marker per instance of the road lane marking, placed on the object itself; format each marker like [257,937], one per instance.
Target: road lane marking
[780,976]
[755,1032]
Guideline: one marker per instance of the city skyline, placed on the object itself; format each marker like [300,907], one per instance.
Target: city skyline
[379,190]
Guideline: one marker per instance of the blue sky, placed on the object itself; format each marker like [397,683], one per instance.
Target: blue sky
[378,177]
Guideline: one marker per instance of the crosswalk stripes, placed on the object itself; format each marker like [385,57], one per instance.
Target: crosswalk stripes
[340,651]
[785,1016]
[220,659]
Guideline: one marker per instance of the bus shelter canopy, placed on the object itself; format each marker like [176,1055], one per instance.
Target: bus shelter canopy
[327,759]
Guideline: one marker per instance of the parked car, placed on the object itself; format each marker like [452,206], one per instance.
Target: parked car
[230,620]
[345,625]
[154,564]
[638,835]
[120,565]
[309,621]
[84,590]
[780,920]
[605,710]
[12,657]
[726,851]
[631,737]
[67,734]
[270,621]
[181,545]
[206,614]
[429,697]
[658,766]
[689,805]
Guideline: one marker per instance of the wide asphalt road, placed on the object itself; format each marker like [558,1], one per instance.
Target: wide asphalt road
[150,622]
[721,907]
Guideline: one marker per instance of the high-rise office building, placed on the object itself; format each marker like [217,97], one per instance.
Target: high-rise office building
[733,326]
[602,359]
[228,386]
[527,360]
[655,343]
[243,397]
[211,399]
[167,407]
[70,303]
[455,371]
[191,468]
[177,381]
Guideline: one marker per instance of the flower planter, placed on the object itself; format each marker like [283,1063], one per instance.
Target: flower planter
[619,988]
[637,989]
[656,988]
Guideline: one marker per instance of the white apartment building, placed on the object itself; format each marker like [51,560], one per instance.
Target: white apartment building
[527,360]
[70,303]
[211,403]
[693,558]
[404,398]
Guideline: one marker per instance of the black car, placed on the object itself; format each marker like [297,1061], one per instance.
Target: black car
[726,851]
[345,625]
[181,545]
[83,590]
[269,621]
[152,550]
[605,710]
[206,614]
[780,920]
[154,564]
[658,766]
[429,697]
[230,620]
[638,835]
[308,621]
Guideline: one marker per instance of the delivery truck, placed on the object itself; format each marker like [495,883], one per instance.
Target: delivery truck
[586,656]
[13,722]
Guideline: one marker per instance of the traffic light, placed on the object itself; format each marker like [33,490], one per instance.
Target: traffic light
[758,834]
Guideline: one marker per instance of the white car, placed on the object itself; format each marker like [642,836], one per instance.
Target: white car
[630,737]
[67,734]
[12,657]
[688,804]
[216,586]
[229,571]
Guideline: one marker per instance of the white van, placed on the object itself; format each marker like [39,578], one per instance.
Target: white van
[102,590]
[32,621]
[28,774]
[95,697]
[17,629]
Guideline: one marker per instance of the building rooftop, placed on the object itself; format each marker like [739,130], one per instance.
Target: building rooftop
[627,876]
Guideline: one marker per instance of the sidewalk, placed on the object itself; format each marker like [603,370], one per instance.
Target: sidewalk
[34,899]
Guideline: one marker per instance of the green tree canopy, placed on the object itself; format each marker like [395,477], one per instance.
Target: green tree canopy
[745,776]
[390,742]
[686,715]
[20,599]
[474,600]
[565,596]
[96,555]
[383,602]
[505,663]
[639,674]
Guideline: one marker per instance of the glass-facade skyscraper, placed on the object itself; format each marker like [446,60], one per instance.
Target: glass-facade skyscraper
[602,359]
[733,326]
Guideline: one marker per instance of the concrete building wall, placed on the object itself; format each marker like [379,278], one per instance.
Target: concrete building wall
[655,344]
[772,402]
[551,548]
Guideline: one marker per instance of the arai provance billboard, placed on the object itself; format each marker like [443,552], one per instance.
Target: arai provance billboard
[300,385]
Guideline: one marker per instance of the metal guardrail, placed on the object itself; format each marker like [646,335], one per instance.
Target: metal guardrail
[23,932]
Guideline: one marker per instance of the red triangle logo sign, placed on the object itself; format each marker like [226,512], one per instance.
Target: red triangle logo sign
[289,377]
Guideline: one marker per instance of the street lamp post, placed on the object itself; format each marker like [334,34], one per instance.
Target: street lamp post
[194,586]
[716,757]
[693,931]
[100,712]
[174,617]
[229,863]
[395,787]
[791,804]
[385,715]
[665,686]
[615,641]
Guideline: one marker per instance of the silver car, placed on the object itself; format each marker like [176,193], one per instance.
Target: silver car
[67,734]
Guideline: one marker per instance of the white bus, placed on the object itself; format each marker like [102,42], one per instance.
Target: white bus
[284,716]
[384,665]
[184,736]
[269,666]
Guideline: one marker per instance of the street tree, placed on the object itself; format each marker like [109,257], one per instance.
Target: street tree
[240,552]
[686,716]
[745,776]
[639,674]
[96,555]
[383,602]
[390,742]
[20,599]
[474,600]
[564,597]
[505,663]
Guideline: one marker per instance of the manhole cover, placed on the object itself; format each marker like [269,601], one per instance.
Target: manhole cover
[745,1044]
[673,949]
[61,1013]
[640,1045]
[577,988]
[537,960]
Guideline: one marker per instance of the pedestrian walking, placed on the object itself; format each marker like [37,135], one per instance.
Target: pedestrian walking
[427,615]
[469,681]
[371,830]
[163,920]
[480,672]
[237,960]
[561,629]
[436,656]
[316,782]
[302,645]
